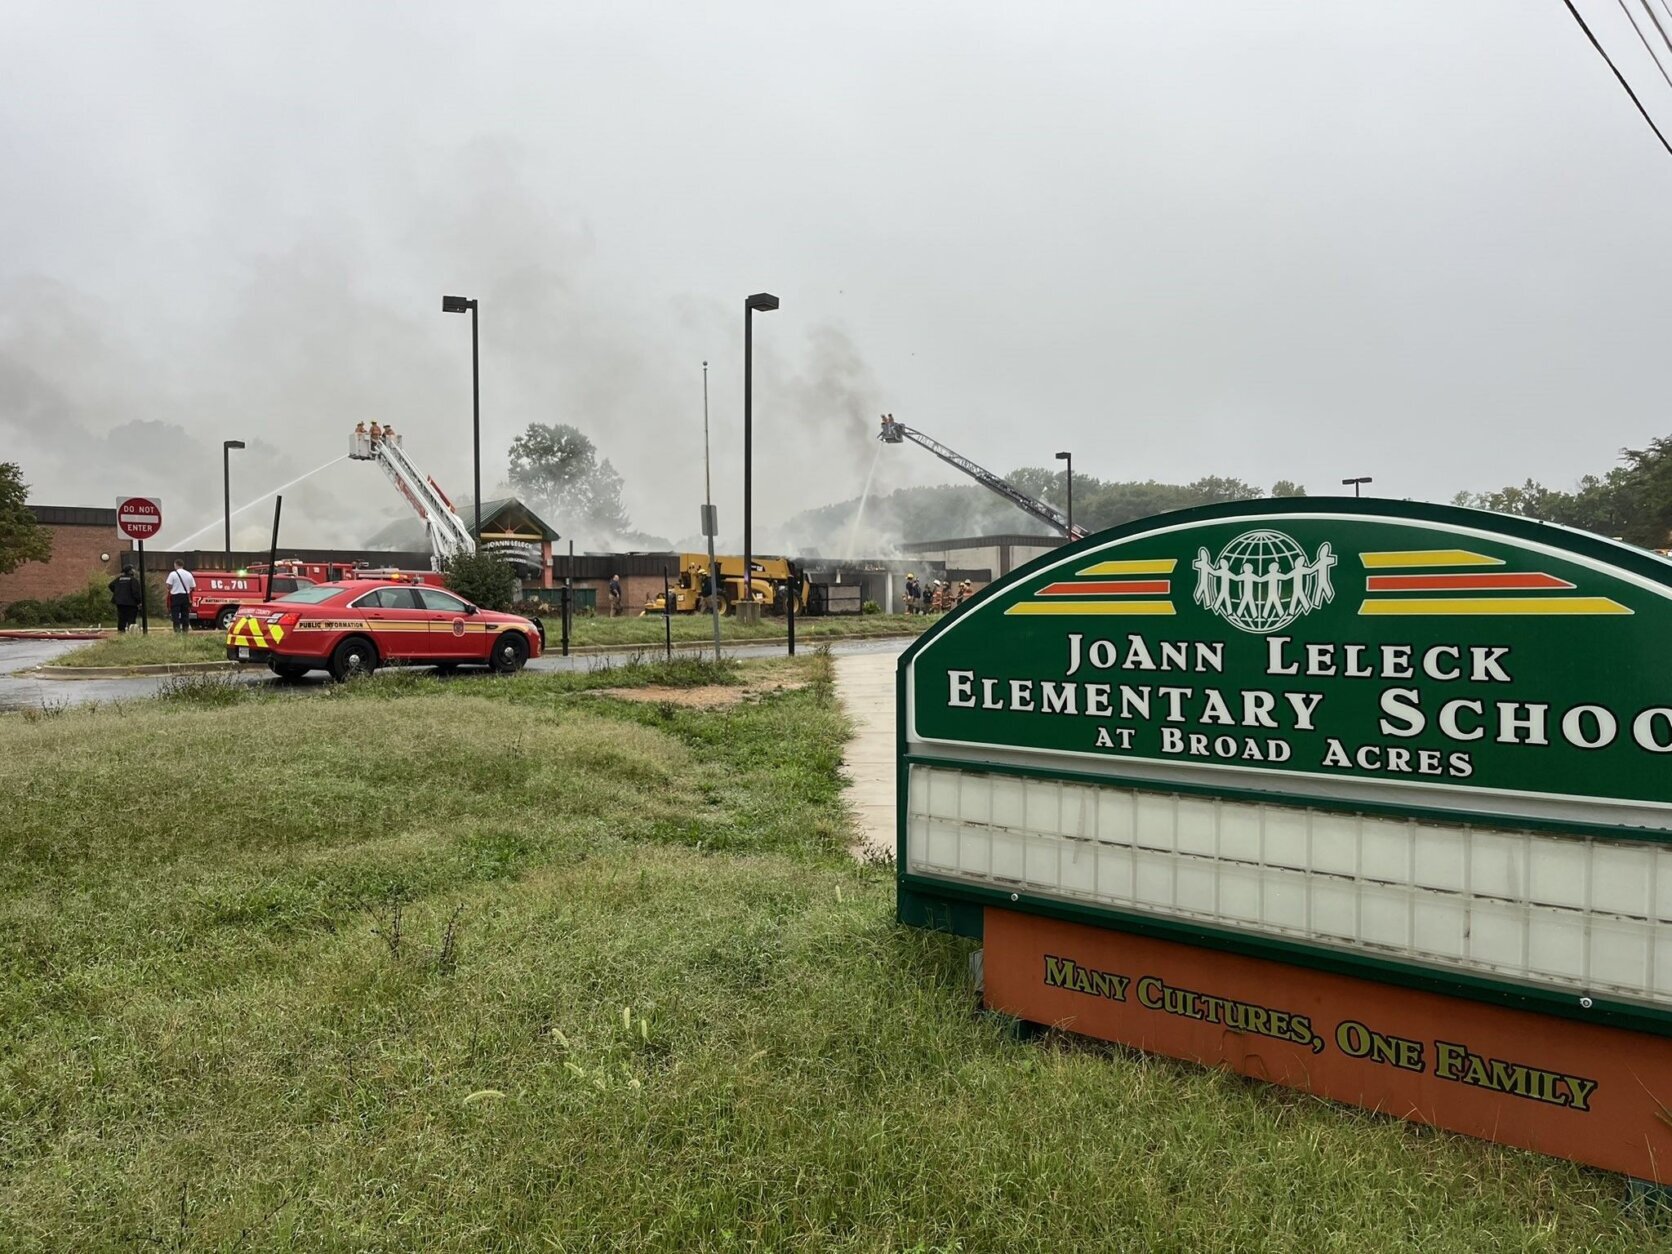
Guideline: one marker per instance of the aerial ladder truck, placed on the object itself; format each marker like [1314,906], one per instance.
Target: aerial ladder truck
[896,432]
[448,535]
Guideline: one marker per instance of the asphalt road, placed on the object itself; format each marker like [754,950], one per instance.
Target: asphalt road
[19,691]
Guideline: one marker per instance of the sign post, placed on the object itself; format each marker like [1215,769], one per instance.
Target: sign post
[710,526]
[1369,798]
[138,518]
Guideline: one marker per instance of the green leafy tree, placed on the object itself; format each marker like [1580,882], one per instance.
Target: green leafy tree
[556,469]
[1645,489]
[484,578]
[1288,487]
[22,539]
[1632,502]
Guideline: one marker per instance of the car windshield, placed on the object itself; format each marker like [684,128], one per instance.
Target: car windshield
[316,595]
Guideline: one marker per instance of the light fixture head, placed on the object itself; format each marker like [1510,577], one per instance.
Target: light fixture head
[457,304]
[233,444]
[761,301]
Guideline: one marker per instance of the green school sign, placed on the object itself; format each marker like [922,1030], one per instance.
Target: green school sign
[1447,658]
[1392,738]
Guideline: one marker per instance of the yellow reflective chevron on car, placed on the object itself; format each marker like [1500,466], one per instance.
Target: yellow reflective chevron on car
[246,631]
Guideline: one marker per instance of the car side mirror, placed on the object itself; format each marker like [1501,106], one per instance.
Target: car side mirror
[469,609]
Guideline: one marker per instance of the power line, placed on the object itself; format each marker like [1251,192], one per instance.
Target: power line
[1649,8]
[1665,8]
[1644,40]
[1621,77]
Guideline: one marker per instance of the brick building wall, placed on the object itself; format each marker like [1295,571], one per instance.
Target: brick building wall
[84,544]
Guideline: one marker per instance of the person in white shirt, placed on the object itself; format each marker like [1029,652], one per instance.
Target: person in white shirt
[180,586]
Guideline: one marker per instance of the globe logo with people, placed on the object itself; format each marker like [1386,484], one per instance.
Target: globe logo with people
[1263,580]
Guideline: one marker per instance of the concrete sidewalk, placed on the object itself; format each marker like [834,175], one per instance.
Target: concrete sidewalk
[865,686]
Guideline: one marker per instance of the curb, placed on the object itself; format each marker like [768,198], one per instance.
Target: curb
[30,633]
[130,672]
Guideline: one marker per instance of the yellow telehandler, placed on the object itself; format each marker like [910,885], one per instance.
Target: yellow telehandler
[774,579]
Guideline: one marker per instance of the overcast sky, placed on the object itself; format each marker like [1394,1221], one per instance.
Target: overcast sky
[1425,241]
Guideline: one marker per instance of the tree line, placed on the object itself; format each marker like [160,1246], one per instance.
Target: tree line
[949,511]
[1631,502]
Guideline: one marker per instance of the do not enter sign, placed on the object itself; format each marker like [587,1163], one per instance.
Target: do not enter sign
[138,517]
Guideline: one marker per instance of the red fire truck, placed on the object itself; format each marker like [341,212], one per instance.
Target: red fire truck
[219,593]
[337,572]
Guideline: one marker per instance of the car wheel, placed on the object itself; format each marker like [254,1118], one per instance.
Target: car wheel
[510,651]
[289,670]
[723,605]
[354,656]
[224,622]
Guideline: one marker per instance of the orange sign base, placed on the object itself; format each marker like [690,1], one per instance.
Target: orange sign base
[1596,1095]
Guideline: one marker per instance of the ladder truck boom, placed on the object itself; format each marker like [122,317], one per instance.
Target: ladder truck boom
[448,535]
[895,432]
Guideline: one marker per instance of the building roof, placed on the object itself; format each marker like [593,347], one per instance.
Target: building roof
[500,515]
[511,513]
[1012,539]
[73,516]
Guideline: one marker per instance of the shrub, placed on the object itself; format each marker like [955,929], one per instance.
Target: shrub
[90,606]
[485,578]
[870,607]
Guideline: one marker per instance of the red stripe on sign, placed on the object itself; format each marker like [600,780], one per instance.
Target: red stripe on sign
[1119,587]
[1463,583]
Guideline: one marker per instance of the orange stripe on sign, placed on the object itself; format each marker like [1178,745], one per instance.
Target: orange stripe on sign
[1118,587]
[1484,582]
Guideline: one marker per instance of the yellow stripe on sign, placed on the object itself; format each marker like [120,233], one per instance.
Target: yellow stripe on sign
[1091,607]
[1427,557]
[1440,606]
[1141,566]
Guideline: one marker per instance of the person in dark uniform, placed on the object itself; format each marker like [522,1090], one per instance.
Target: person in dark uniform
[126,595]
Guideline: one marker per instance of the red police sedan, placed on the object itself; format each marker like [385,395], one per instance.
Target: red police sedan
[355,626]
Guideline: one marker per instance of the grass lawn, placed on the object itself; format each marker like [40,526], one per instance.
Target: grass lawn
[154,649]
[424,964]
[648,630]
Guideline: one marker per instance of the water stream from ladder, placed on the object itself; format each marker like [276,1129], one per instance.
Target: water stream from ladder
[250,504]
[859,514]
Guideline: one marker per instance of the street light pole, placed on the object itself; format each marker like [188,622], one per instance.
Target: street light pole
[1069,458]
[710,523]
[763,301]
[1356,483]
[460,304]
[226,485]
